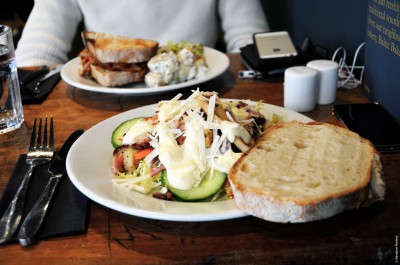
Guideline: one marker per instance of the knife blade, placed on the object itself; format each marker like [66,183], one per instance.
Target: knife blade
[57,166]
[34,220]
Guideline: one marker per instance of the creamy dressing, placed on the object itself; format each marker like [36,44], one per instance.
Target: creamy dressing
[233,130]
[184,163]
[138,131]
[224,162]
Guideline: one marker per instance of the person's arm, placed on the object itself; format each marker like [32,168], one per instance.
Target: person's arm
[48,33]
[239,20]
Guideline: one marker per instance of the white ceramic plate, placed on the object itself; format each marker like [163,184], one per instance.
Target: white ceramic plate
[89,168]
[217,61]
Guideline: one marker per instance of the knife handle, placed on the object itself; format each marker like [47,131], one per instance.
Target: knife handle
[33,221]
[33,75]
[12,217]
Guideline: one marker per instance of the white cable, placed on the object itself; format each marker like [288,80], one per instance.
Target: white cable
[346,77]
[343,59]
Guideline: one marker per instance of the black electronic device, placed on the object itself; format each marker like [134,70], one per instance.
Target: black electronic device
[278,54]
[371,121]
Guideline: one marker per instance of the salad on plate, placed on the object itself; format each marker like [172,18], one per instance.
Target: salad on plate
[185,151]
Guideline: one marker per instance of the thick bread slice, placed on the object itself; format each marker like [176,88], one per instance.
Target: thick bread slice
[110,78]
[108,48]
[300,172]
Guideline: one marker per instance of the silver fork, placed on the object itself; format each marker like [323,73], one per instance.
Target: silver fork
[40,152]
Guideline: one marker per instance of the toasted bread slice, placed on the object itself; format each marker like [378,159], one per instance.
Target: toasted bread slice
[111,78]
[108,48]
[300,172]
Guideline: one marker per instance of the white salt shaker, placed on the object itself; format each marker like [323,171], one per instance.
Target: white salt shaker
[300,88]
[327,80]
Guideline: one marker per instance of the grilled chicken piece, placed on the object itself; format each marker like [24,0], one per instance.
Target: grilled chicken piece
[220,115]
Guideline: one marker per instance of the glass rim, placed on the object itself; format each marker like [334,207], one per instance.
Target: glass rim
[4,29]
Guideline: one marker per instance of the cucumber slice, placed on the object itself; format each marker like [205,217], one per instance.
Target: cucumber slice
[208,187]
[121,130]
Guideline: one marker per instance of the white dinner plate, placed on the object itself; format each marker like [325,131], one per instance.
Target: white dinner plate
[217,62]
[89,164]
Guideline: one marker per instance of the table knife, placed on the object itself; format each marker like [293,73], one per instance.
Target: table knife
[33,221]
[34,86]
[31,76]
[30,81]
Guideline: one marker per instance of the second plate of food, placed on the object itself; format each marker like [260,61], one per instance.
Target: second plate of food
[217,62]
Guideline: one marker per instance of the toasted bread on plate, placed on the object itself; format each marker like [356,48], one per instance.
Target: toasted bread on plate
[113,60]
[301,172]
[108,48]
[111,78]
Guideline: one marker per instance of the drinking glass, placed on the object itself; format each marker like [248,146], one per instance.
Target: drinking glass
[11,112]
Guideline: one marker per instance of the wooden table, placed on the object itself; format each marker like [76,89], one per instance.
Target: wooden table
[364,236]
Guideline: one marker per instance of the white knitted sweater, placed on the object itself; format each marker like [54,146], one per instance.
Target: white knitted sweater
[53,24]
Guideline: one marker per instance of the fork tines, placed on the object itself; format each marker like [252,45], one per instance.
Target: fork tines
[38,136]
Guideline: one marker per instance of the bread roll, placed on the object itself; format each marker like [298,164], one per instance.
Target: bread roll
[301,172]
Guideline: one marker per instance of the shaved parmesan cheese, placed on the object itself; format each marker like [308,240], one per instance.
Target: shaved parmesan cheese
[228,114]
[211,108]
[168,110]
[189,100]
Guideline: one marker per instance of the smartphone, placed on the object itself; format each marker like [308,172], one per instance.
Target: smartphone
[373,122]
[274,44]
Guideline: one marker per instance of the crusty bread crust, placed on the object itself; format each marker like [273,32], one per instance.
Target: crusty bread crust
[290,174]
[108,48]
[114,78]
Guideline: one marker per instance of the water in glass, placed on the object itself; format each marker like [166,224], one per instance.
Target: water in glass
[11,112]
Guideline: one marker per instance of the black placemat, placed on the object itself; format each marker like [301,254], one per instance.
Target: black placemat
[69,211]
[45,87]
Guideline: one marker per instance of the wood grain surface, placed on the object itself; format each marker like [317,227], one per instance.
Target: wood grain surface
[363,236]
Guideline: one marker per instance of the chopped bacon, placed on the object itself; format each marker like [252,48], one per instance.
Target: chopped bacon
[167,196]
[118,163]
[142,144]
[157,169]
[242,104]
